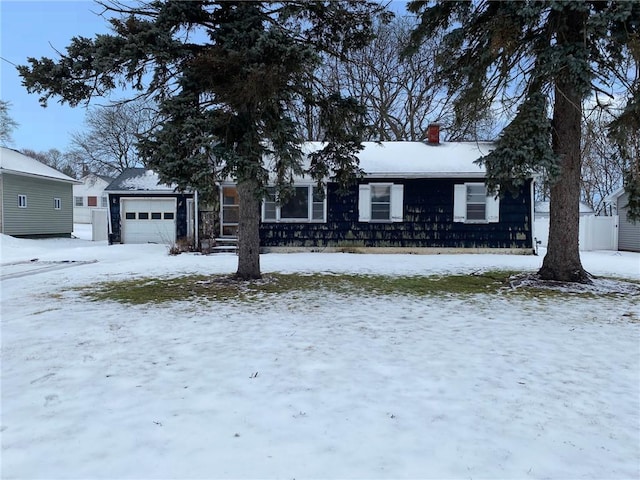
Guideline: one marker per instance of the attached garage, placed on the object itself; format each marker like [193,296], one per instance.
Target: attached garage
[148,220]
[143,210]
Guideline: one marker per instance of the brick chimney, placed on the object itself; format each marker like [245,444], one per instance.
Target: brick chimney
[433,134]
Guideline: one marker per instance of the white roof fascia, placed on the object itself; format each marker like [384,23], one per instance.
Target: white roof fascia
[45,177]
[148,192]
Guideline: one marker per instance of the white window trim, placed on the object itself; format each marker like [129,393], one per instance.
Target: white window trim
[22,201]
[396,207]
[57,203]
[310,187]
[492,210]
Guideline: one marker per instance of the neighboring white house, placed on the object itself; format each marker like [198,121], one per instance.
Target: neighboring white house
[88,196]
[628,232]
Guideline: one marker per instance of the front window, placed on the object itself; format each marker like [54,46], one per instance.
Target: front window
[305,204]
[380,202]
[476,201]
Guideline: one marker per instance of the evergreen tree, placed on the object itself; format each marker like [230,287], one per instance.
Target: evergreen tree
[527,52]
[223,74]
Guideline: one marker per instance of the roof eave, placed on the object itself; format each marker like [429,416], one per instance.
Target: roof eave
[72,181]
[150,192]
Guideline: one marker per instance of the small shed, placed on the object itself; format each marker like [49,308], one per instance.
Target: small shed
[143,210]
[35,199]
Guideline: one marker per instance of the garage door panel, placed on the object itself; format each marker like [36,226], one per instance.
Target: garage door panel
[149,221]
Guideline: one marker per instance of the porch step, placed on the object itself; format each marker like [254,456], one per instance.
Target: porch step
[225,244]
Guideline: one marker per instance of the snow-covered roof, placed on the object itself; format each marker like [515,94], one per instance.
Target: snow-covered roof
[12,161]
[418,159]
[139,179]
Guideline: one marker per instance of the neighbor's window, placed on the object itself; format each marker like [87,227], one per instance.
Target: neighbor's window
[104,202]
[57,203]
[471,204]
[92,201]
[78,201]
[305,204]
[22,201]
[380,202]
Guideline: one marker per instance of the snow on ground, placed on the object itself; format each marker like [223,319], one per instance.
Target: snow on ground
[313,385]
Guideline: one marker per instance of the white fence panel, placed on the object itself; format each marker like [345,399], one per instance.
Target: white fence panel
[99,225]
[596,233]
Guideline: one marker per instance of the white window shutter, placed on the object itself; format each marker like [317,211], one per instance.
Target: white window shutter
[397,203]
[459,203]
[364,203]
[493,208]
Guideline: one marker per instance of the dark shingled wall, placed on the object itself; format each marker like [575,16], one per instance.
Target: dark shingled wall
[428,221]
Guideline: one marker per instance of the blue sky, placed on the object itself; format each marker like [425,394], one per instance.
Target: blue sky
[34,29]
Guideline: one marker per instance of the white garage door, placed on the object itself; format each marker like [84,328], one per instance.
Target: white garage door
[147,220]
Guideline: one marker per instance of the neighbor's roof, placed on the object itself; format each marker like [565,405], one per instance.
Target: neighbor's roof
[12,161]
[139,179]
[418,159]
[543,207]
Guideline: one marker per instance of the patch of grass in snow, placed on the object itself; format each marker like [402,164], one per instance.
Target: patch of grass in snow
[225,288]
[221,288]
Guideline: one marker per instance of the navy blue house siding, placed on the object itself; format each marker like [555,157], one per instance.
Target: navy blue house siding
[427,222]
[116,225]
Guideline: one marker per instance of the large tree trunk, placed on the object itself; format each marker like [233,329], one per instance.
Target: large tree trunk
[248,231]
[562,261]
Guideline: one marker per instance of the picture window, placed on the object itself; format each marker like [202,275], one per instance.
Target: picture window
[305,204]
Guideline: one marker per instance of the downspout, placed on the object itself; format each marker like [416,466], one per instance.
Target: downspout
[534,240]
[196,214]
[109,227]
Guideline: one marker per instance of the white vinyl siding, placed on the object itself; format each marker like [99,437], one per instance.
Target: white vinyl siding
[628,232]
[471,204]
[380,202]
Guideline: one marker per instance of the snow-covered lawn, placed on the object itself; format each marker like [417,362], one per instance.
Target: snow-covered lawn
[312,385]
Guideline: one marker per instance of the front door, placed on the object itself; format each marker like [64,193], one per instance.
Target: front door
[230,211]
